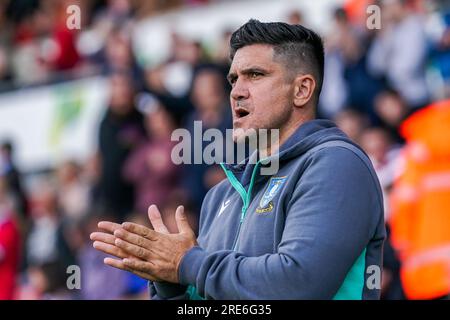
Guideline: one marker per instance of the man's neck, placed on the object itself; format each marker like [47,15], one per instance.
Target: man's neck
[285,133]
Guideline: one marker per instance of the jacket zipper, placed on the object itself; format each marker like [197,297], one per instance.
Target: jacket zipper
[236,239]
[192,291]
[245,195]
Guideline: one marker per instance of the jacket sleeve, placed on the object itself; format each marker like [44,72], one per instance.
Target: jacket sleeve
[330,219]
[166,291]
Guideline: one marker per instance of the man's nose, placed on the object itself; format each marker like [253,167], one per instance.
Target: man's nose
[239,91]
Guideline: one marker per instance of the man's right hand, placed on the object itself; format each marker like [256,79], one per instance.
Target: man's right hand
[105,242]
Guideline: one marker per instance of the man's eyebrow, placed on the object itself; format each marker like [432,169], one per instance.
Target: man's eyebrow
[254,69]
[233,75]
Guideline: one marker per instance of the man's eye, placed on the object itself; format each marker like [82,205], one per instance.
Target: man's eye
[254,75]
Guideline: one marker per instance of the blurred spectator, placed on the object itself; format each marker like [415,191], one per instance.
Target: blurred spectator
[121,130]
[391,110]
[74,199]
[383,153]
[150,167]
[212,109]
[399,52]
[9,245]
[48,251]
[13,177]
[420,219]
[46,242]
[345,38]
[32,47]
[174,76]
[118,56]
[73,192]
[347,79]
[352,123]
[64,54]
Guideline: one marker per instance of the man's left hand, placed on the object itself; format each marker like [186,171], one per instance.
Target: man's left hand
[155,254]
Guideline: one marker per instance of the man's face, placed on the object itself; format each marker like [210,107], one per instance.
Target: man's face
[261,95]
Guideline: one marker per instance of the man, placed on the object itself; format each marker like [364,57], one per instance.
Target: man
[313,230]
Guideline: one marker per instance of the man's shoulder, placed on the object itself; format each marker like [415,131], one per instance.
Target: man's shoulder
[342,162]
[337,150]
[218,191]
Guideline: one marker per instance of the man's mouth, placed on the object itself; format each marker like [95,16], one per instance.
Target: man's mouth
[241,113]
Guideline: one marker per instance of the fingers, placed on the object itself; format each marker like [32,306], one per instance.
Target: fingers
[132,238]
[110,249]
[182,222]
[140,230]
[155,218]
[109,226]
[103,237]
[119,264]
[142,266]
[115,263]
[132,249]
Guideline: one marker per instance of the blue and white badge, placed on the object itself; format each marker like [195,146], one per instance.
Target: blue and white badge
[266,203]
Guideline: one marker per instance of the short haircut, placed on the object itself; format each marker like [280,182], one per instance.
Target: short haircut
[299,48]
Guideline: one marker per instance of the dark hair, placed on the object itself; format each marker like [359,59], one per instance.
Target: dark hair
[341,14]
[298,47]
[7,146]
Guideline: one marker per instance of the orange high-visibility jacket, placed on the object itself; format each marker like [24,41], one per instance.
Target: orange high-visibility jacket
[420,217]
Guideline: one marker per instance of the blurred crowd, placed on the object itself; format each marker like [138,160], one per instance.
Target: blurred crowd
[37,47]
[386,88]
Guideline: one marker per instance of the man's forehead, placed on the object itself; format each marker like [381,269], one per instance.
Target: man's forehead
[255,55]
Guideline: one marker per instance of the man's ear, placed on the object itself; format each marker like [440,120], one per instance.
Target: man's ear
[304,86]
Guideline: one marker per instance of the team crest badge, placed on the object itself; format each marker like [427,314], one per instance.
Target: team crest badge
[266,203]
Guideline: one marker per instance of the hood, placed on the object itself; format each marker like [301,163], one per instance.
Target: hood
[307,136]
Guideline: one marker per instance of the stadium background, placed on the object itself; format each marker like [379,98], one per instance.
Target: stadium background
[86,117]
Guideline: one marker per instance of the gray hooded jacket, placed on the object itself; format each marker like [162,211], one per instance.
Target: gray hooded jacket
[314,230]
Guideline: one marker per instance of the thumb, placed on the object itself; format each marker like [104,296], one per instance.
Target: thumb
[182,222]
